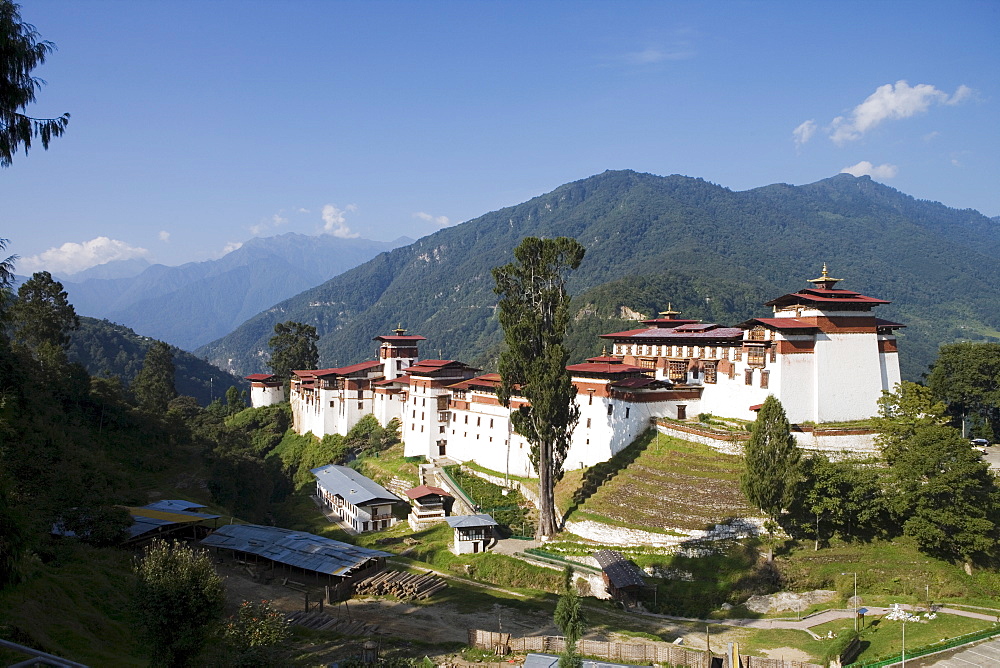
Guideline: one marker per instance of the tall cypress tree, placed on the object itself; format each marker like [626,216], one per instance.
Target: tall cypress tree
[534,311]
[771,460]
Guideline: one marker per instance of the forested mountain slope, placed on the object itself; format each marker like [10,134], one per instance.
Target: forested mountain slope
[106,349]
[197,302]
[716,254]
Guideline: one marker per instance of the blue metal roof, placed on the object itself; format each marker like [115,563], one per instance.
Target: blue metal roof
[294,548]
[470,521]
[173,505]
[351,485]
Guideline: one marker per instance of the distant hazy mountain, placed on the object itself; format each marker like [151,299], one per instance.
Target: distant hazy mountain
[197,302]
[107,349]
[113,269]
[714,253]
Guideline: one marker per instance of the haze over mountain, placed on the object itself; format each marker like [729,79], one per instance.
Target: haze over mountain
[714,253]
[197,302]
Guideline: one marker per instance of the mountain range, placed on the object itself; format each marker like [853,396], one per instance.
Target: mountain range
[197,302]
[714,253]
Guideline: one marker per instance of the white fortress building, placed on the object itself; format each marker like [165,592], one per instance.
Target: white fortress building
[824,355]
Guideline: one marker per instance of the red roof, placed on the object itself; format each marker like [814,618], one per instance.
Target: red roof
[489,380]
[609,359]
[824,296]
[756,407]
[305,373]
[425,490]
[780,323]
[686,332]
[603,368]
[627,332]
[636,383]
[260,376]
[347,370]
[400,338]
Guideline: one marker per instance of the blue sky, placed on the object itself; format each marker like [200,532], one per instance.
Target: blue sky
[197,125]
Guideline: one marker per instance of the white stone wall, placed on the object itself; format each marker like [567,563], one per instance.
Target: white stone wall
[422,423]
[262,395]
[795,386]
[848,375]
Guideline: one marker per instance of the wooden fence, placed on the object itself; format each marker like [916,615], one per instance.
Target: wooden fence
[637,653]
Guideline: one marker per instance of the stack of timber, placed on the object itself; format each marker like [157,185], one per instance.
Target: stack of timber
[406,586]
[320,621]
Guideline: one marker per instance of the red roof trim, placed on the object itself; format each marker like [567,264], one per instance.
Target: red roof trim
[346,370]
[425,490]
[407,338]
[260,376]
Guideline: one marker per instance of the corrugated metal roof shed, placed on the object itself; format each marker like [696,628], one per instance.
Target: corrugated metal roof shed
[173,505]
[351,485]
[294,548]
[620,571]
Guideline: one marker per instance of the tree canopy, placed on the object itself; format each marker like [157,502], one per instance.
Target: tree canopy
[21,51]
[177,601]
[966,376]
[42,314]
[153,387]
[534,311]
[293,346]
[771,460]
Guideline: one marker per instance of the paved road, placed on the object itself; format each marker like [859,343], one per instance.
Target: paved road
[984,655]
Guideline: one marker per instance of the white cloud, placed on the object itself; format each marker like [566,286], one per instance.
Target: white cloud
[655,55]
[275,221]
[891,102]
[301,210]
[804,132]
[164,235]
[230,247]
[335,221]
[71,258]
[865,168]
[440,221]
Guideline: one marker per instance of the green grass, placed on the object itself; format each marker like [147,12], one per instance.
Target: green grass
[668,484]
[389,464]
[74,606]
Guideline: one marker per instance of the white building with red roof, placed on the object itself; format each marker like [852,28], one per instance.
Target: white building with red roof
[266,389]
[823,354]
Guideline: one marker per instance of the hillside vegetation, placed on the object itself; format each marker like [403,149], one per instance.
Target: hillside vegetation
[715,254]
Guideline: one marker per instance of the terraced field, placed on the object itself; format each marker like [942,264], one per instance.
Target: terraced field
[672,484]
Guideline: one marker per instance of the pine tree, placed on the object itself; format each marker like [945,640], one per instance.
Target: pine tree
[570,620]
[534,311]
[42,315]
[20,53]
[153,387]
[771,460]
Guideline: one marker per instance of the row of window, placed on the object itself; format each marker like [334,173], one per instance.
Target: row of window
[755,355]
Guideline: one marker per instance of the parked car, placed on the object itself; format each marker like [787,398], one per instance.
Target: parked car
[979,443]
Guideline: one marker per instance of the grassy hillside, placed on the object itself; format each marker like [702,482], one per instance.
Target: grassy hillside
[718,254]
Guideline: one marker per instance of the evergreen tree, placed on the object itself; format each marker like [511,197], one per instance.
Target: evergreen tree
[177,601]
[20,53]
[534,311]
[153,387]
[42,316]
[570,620]
[293,347]
[771,460]
[903,413]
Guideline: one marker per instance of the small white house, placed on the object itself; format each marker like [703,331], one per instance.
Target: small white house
[473,533]
[266,389]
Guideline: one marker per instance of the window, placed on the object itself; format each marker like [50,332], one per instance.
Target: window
[724,353]
[764,378]
[677,370]
[774,353]
[758,333]
[491,423]
[756,357]
[710,372]
[466,419]
[647,363]
[611,409]
[479,421]
[588,423]
[737,354]
[590,402]
[682,412]
[361,405]
[627,411]
[441,429]
[749,376]
[414,415]
[331,403]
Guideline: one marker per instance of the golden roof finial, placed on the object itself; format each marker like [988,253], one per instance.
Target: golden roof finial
[825,280]
[399,330]
[604,351]
[669,312]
